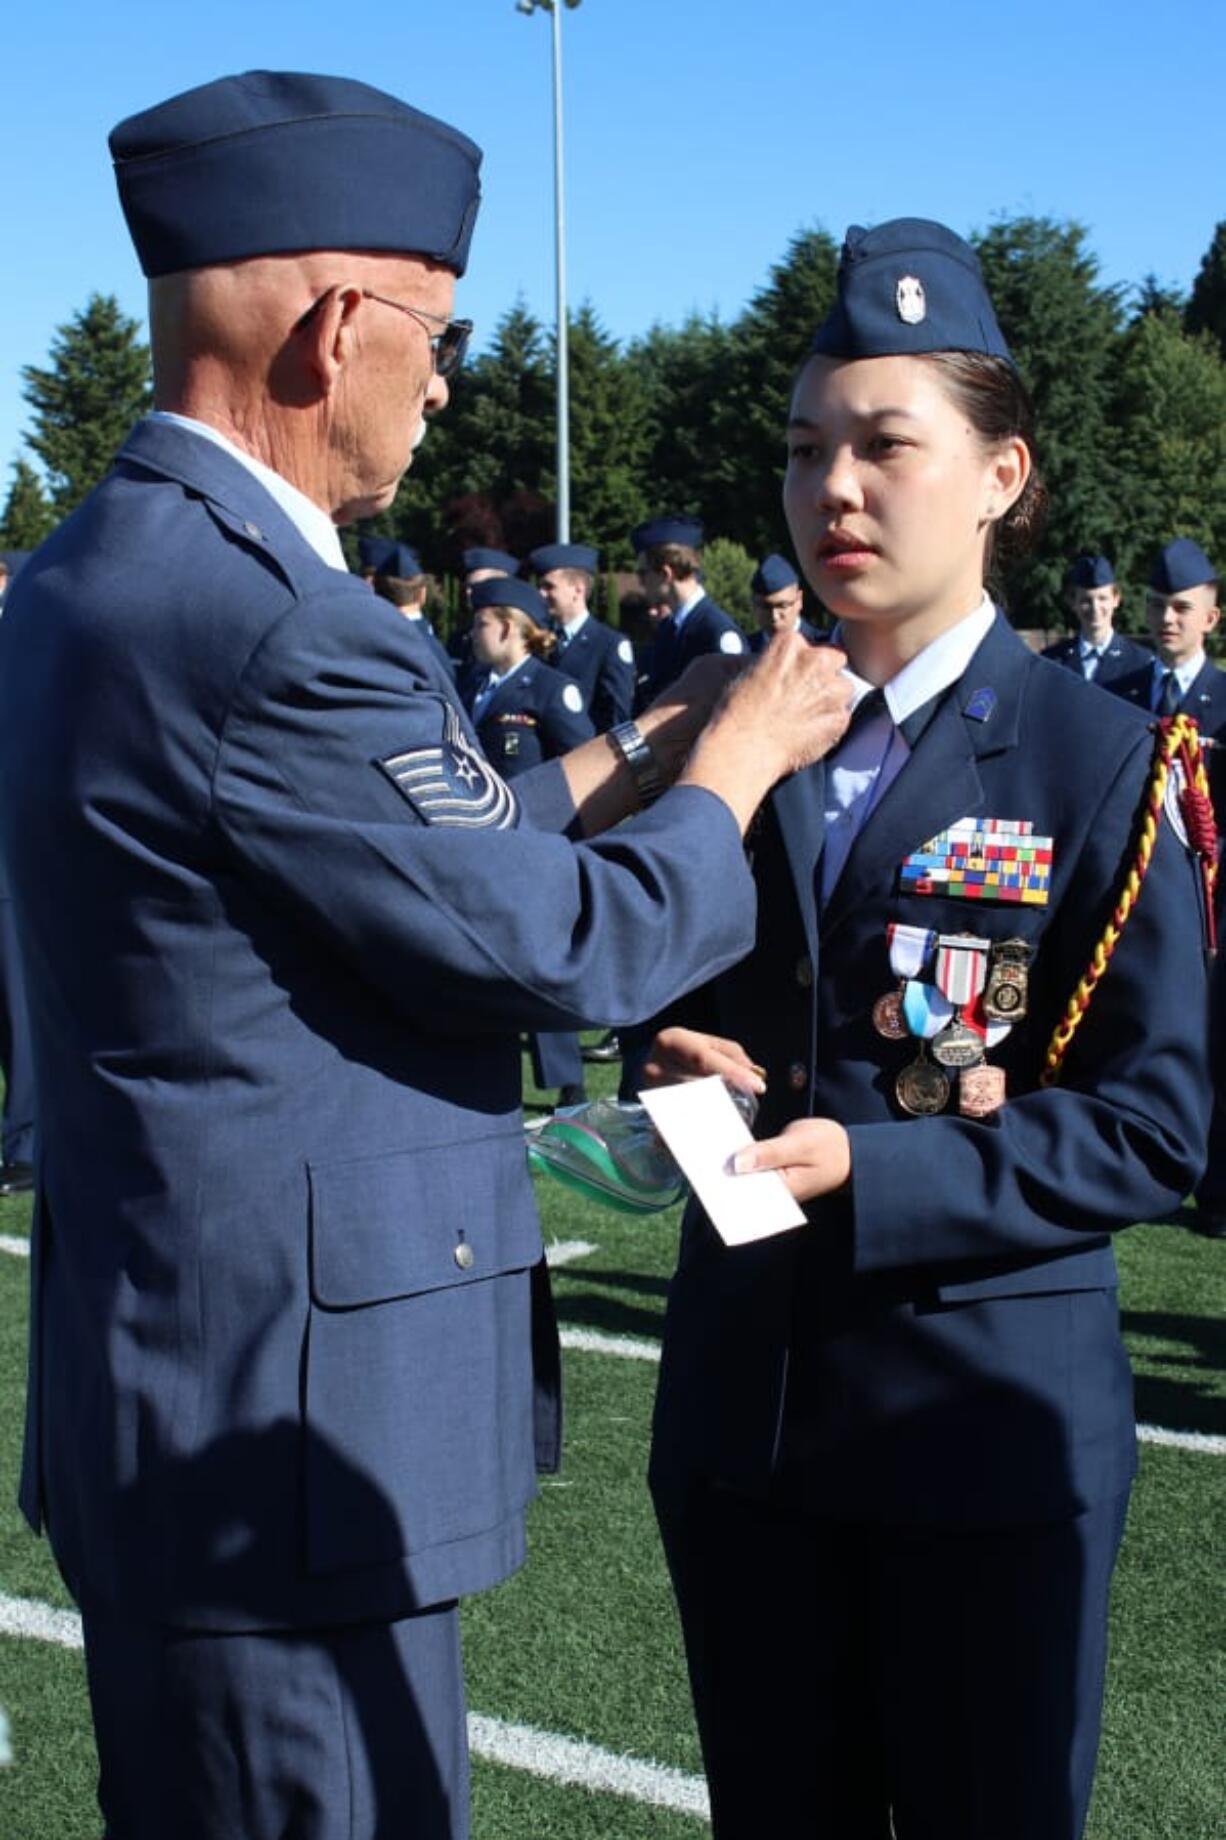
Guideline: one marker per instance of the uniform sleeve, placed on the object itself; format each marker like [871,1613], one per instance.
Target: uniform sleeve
[1122,1136]
[613,698]
[341,792]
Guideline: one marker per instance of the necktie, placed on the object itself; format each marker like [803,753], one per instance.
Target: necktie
[1168,696]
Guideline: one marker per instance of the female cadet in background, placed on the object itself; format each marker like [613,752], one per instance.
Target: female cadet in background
[525,712]
[893,1447]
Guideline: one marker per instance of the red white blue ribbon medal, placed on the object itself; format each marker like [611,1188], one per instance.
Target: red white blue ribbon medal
[910,947]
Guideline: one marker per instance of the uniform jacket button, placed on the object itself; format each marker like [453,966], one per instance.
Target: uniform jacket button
[798,1076]
[804,973]
[464,1256]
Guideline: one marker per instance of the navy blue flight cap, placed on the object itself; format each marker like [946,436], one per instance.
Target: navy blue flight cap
[564,556]
[908,286]
[490,559]
[1182,564]
[402,562]
[1090,572]
[688,532]
[373,552]
[772,575]
[273,162]
[509,591]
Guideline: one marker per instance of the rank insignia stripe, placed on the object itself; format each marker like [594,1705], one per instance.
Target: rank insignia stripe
[452,784]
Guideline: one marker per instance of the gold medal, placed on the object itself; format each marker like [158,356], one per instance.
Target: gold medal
[1004,997]
[921,1088]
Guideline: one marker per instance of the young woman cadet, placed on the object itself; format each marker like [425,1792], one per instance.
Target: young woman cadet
[893,1447]
[524,713]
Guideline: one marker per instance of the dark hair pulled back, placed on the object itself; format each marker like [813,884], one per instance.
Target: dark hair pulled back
[994,400]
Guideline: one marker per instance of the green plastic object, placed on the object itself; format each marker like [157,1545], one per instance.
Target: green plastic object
[610,1152]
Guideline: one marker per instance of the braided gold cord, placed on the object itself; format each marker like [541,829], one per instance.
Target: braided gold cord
[1179,736]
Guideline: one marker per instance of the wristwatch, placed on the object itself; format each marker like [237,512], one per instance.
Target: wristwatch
[626,739]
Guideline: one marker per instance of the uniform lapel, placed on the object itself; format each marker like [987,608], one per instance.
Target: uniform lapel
[800,811]
[940,782]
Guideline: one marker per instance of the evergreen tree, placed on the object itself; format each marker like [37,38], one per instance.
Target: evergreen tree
[1206,308]
[769,343]
[610,437]
[682,373]
[1064,330]
[727,574]
[1154,296]
[1171,412]
[27,517]
[96,385]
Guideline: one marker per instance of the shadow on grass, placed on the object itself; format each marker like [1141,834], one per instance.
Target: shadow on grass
[1177,1391]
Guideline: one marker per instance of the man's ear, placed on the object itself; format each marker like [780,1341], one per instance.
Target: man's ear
[326,335]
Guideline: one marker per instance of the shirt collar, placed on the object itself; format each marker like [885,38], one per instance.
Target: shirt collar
[1185,674]
[940,664]
[314,525]
[686,607]
[571,627]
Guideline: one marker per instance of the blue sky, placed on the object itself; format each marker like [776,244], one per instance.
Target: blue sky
[699,138]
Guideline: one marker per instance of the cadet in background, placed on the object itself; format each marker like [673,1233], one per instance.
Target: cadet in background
[1097,652]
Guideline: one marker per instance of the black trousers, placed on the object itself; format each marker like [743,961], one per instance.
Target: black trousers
[354,1733]
[860,1682]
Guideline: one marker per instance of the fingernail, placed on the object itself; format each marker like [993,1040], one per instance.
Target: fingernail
[744,1163]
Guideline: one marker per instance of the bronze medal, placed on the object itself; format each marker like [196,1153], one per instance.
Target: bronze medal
[888,1019]
[958,1045]
[921,1088]
[981,1091]
[1004,998]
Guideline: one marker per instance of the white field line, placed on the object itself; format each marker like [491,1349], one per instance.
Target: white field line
[566,1251]
[569,1761]
[638,1348]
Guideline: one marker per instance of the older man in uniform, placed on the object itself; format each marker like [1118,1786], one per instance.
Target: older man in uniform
[292,1349]
[600,660]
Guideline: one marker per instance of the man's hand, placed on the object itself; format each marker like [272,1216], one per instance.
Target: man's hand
[813,1155]
[685,1054]
[787,709]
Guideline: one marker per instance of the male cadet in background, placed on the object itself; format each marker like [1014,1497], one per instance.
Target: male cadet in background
[400,579]
[291,1341]
[778,603]
[1181,609]
[668,560]
[600,660]
[1097,652]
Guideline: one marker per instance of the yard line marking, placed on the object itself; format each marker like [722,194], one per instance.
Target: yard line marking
[637,1348]
[570,1761]
[625,1347]
[579,1765]
[20,1248]
[566,1251]
[1183,1440]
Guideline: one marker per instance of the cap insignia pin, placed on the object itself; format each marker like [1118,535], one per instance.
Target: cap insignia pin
[909,298]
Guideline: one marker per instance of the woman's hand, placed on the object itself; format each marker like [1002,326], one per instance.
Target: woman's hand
[813,1155]
[686,1054]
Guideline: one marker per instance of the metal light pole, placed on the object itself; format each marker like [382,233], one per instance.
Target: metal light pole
[559,212]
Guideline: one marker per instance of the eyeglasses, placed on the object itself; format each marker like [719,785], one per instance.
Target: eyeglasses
[448,346]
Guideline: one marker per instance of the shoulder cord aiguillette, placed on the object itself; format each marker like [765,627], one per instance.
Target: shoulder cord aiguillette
[1178,740]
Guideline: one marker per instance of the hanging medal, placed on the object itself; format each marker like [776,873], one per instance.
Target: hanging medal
[922,1088]
[1004,998]
[961,971]
[981,1087]
[909,950]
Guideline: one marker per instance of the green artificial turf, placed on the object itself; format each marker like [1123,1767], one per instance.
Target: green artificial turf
[584,1640]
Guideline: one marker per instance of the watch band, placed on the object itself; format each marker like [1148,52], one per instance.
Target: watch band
[626,738]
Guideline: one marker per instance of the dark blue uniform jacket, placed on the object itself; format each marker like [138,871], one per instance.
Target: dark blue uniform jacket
[601,661]
[706,628]
[528,720]
[1121,656]
[940,1343]
[1206,703]
[282,927]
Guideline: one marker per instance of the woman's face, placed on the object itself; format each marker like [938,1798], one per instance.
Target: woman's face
[493,637]
[889,492]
